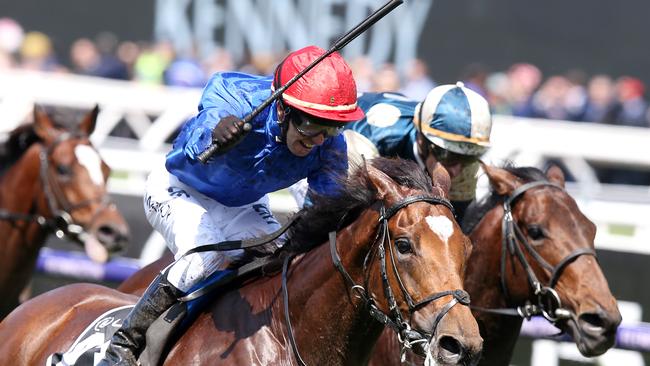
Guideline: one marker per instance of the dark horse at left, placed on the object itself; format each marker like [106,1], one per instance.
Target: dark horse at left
[53,181]
[392,254]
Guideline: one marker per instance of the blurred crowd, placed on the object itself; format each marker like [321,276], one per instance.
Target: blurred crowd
[521,90]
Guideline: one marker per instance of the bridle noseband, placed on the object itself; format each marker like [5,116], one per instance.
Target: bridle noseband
[61,222]
[407,336]
[548,304]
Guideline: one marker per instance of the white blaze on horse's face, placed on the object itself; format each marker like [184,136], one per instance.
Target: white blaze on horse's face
[441,226]
[89,159]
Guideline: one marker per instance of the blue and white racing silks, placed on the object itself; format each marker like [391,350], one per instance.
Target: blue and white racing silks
[388,124]
[259,164]
[389,128]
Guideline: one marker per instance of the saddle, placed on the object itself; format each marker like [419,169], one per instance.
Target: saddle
[89,348]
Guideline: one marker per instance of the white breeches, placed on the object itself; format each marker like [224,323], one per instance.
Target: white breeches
[188,219]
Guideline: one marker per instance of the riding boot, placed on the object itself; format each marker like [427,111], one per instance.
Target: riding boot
[128,341]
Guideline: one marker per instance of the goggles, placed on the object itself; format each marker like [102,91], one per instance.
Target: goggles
[446,157]
[308,127]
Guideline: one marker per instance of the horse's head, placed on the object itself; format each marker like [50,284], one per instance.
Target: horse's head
[73,181]
[547,228]
[425,253]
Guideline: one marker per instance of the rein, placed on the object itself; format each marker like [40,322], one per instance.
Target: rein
[61,222]
[548,303]
[407,336]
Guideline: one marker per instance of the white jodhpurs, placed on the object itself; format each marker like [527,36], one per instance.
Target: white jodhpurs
[188,219]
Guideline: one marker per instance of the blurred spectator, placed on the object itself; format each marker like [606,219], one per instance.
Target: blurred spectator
[523,78]
[418,82]
[600,99]
[36,53]
[262,63]
[127,52]
[362,70]
[631,108]
[151,63]
[474,77]
[497,86]
[550,100]
[6,61]
[11,36]
[219,60]
[185,72]
[386,79]
[87,60]
[576,95]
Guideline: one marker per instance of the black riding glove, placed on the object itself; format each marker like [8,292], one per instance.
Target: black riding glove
[229,131]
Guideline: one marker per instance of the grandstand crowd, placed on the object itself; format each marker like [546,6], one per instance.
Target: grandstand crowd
[520,90]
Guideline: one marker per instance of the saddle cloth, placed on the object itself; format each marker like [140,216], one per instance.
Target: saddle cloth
[89,348]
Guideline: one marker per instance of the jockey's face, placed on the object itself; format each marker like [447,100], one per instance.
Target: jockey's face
[299,144]
[304,132]
[432,154]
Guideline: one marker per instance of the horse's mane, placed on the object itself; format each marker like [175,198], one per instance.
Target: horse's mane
[356,193]
[18,141]
[477,209]
[24,136]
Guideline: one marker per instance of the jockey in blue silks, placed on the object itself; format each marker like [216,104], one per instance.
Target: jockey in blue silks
[193,204]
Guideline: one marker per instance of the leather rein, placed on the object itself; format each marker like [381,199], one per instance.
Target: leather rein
[548,303]
[61,222]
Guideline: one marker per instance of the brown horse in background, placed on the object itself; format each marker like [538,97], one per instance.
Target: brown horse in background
[396,242]
[556,241]
[53,182]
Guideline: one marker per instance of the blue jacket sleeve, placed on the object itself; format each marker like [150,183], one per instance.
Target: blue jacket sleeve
[334,166]
[219,99]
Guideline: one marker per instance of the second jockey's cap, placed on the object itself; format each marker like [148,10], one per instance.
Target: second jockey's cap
[455,118]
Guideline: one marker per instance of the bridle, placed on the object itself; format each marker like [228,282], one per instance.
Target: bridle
[60,222]
[407,335]
[548,302]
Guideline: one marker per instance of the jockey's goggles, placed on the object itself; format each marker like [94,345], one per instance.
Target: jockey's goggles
[446,157]
[311,126]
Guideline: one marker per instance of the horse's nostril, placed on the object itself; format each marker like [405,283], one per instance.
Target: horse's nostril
[593,323]
[450,347]
[111,237]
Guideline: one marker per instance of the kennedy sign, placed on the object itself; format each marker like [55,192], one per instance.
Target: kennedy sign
[274,26]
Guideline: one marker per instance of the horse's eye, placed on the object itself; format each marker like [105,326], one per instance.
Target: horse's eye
[64,170]
[403,246]
[535,232]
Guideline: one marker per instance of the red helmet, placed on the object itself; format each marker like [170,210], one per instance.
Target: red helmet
[327,91]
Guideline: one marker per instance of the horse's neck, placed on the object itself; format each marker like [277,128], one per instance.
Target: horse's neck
[483,282]
[331,325]
[20,193]
[20,185]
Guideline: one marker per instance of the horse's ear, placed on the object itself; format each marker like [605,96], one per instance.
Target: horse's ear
[43,124]
[441,179]
[501,180]
[87,125]
[382,182]
[555,175]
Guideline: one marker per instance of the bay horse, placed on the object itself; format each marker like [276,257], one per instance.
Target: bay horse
[53,181]
[533,254]
[394,256]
